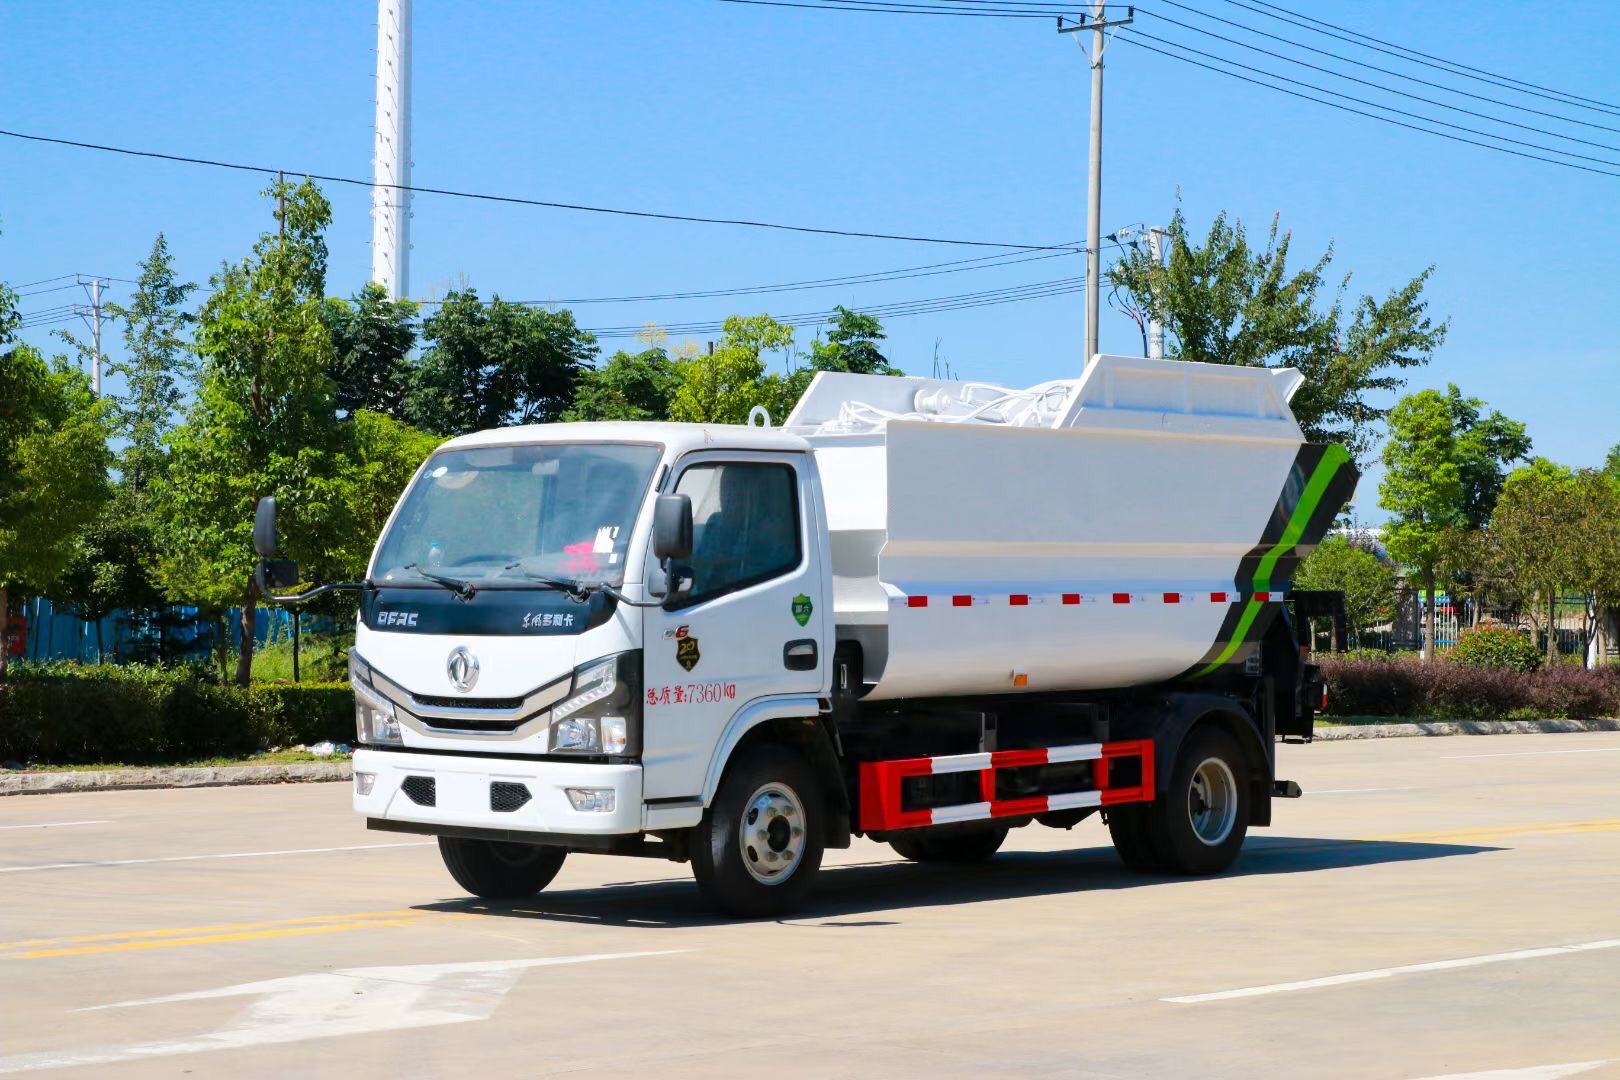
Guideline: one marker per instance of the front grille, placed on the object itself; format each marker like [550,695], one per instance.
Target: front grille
[456,723]
[505,797]
[420,790]
[498,704]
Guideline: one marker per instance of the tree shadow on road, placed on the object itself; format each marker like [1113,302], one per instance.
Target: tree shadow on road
[854,895]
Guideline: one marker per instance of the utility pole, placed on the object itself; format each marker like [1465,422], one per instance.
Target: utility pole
[391,152]
[1155,238]
[92,316]
[1096,21]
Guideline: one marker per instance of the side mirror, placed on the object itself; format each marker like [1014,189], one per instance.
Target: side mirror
[276,574]
[264,527]
[672,527]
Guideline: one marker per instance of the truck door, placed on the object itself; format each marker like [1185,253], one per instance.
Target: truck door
[752,625]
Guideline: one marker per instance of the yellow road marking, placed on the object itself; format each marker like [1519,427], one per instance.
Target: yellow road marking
[216,928]
[207,939]
[1547,828]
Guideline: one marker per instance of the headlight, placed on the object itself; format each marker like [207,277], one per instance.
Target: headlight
[602,714]
[375,720]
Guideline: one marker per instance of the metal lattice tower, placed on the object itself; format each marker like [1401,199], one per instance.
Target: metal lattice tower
[391,157]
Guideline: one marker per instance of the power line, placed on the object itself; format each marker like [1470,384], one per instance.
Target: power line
[986,262]
[523,201]
[1466,70]
[1136,36]
[1386,71]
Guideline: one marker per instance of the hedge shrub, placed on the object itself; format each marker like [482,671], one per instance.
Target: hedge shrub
[1451,691]
[64,714]
[1495,647]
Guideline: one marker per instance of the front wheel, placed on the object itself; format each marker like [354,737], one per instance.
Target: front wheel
[500,871]
[759,846]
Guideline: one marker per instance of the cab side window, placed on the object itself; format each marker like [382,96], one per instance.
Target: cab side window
[745,524]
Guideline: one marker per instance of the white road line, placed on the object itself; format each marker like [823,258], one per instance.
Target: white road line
[194,858]
[54,824]
[321,1005]
[1355,790]
[1539,753]
[1534,1072]
[1384,973]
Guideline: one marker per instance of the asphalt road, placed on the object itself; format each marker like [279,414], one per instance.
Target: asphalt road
[1432,907]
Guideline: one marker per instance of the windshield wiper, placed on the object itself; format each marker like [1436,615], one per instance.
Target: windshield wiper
[466,590]
[578,591]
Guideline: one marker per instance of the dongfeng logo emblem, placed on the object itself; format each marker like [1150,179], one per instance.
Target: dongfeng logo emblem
[462,668]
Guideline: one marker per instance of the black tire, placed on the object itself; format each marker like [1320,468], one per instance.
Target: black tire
[1169,822]
[967,846]
[500,871]
[1128,827]
[771,869]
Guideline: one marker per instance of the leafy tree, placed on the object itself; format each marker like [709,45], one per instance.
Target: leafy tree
[263,422]
[489,365]
[1367,582]
[630,386]
[851,345]
[1611,464]
[1537,529]
[113,568]
[1444,465]
[1224,302]
[381,455]
[725,385]
[371,337]
[53,468]
[157,367]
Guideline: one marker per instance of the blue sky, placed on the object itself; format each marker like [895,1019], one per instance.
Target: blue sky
[958,127]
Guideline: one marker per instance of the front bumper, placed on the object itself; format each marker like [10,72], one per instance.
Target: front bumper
[462,796]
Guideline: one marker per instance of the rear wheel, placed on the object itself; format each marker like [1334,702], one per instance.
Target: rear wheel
[1198,825]
[500,871]
[759,845]
[1128,827]
[973,846]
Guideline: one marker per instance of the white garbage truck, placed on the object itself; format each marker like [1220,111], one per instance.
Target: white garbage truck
[921,611]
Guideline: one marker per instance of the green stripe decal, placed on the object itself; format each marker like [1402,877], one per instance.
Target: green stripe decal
[1250,610]
[1327,468]
[1332,459]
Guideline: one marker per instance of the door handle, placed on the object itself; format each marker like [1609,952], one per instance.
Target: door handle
[800,655]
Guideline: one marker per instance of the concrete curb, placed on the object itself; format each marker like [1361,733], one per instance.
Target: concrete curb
[1462,727]
[46,783]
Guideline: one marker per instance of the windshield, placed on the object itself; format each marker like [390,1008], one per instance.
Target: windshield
[560,509]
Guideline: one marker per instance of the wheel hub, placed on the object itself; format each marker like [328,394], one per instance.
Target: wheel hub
[771,833]
[1212,801]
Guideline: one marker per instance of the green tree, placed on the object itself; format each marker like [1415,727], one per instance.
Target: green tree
[53,467]
[1225,302]
[158,366]
[113,567]
[489,365]
[1538,531]
[1611,464]
[1444,466]
[1368,583]
[722,387]
[630,386]
[372,337]
[263,422]
[851,345]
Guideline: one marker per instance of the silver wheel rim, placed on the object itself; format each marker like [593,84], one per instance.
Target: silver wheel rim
[771,833]
[1212,801]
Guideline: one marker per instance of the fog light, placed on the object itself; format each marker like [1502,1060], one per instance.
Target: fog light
[364,782]
[587,800]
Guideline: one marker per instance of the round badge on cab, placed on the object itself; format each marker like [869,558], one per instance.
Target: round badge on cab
[462,667]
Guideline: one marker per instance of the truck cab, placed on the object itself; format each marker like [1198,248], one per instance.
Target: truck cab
[527,665]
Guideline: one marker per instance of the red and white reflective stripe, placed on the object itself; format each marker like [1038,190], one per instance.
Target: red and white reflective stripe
[882,781]
[1028,599]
